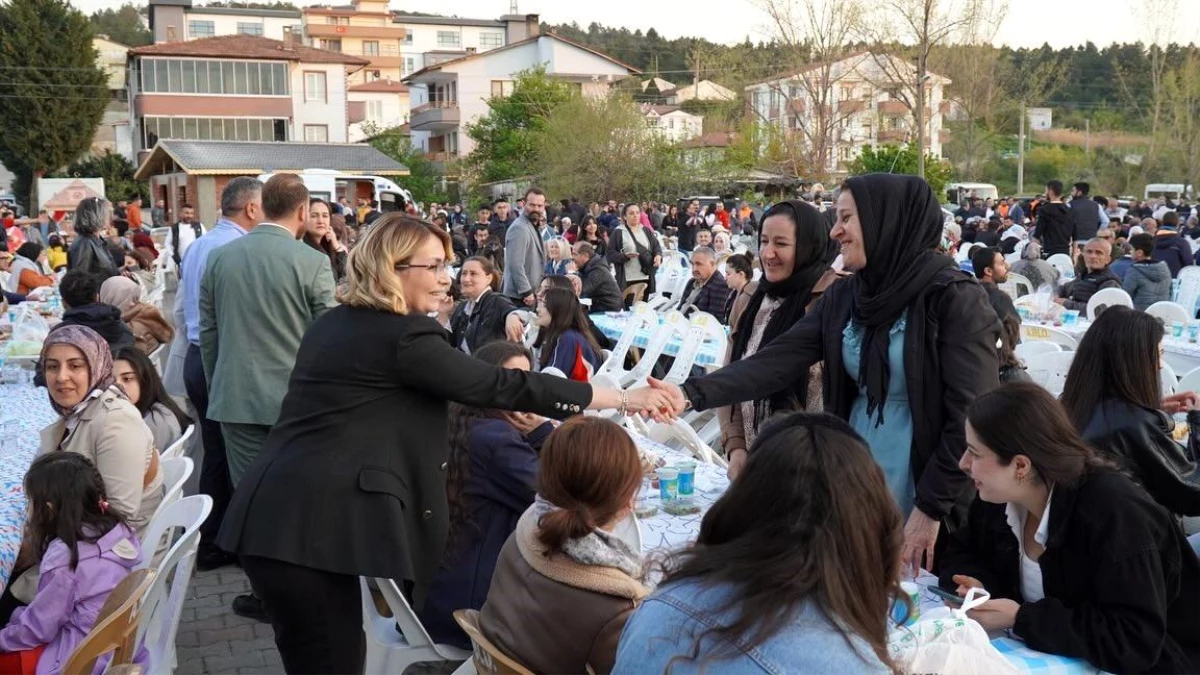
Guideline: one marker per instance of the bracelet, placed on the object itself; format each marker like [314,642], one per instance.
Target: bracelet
[623,409]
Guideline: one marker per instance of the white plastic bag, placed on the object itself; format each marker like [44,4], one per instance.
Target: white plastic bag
[29,332]
[949,643]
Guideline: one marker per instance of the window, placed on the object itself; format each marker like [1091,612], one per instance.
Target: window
[371,76]
[375,110]
[316,133]
[408,67]
[333,45]
[337,20]
[314,88]
[249,28]
[201,29]
[491,40]
[370,47]
[199,76]
[214,128]
[449,38]
[502,88]
[408,38]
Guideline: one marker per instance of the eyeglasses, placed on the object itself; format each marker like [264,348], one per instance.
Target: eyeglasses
[436,268]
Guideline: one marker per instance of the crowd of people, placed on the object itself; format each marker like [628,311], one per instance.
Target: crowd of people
[368,407]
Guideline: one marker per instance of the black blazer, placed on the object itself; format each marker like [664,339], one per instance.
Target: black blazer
[1121,583]
[949,359]
[352,479]
[484,325]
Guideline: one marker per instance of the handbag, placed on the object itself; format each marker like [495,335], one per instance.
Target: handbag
[645,256]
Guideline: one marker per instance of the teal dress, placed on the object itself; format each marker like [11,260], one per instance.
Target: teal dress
[890,442]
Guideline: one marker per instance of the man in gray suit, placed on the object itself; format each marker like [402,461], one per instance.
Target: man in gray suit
[524,257]
[258,296]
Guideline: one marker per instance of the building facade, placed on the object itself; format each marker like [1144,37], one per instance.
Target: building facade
[113,134]
[862,100]
[672,123]
[178,20]
[238,88]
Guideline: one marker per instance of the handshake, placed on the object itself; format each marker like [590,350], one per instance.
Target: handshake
[661,401]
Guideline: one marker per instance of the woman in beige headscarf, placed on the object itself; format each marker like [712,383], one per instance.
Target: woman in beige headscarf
[150,328]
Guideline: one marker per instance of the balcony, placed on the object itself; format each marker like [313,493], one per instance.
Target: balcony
[436,116]
[849,107]
[892,107]
[321,30]
[893,136]
[356,111]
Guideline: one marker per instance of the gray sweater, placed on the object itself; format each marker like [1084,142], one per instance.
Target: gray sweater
[1147,283]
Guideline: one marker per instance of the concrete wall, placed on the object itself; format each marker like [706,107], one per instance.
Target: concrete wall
[224,24]
[332,113]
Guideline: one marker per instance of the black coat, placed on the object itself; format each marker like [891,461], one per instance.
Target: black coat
[949,359]
[599,286]
[484,325]
[1054,228]
[1081,290]
[352,479]
[105,320]
[1121,583]
[1140,441]
[1085,218]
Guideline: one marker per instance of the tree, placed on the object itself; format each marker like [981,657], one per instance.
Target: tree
[504,138]
[422,180]
[49,111]
[117,172]
[903,159]
[1183,114]
[123,25]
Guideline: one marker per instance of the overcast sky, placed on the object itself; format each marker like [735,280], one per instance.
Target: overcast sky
[1027,24]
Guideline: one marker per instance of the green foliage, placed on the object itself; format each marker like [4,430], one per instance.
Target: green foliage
[55,93]
[422,180]
[505,145]
[116,171]
[902,159]
[122,25]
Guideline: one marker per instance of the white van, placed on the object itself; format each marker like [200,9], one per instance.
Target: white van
[333,186]
[1168,190]
[957,192]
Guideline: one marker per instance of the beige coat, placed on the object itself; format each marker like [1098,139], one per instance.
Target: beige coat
[552,614]
[113,436]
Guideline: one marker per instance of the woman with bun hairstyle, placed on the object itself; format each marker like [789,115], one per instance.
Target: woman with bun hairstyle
[739,275]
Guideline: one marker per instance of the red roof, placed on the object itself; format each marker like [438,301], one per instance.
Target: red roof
[386,85]
[247,47]
[716,139]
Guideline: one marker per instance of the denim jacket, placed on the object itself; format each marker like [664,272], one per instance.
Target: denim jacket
[668,623]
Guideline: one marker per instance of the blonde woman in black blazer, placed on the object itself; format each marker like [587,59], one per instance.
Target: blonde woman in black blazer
[352,479]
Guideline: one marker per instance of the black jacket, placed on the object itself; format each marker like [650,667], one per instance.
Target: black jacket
[105,320]
[949,359]
[1054,228]
[1001,302]
[1078,292]
[1173,250]
[1121,583]
[484,325]
[90,254]
[1140,441]
[713,296]
[352,479]
[1085,218]
[599,286]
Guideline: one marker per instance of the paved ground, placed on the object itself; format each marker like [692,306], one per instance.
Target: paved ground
[212,639]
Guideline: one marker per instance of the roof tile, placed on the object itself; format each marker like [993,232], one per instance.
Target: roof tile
[247,47]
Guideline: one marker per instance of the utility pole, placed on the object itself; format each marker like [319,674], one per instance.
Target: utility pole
[1021,153]
[1087,136]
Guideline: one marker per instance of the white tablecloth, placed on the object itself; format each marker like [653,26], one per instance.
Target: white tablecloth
[1181,355]
[664,532]
[29,408]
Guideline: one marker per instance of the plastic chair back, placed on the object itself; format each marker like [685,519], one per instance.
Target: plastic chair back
[177,448]
[175,472]
[1190,381]
[1168,378]
[389,651]
[1032,333]
[1188,293]
[642,317]
[672,324]
[1050,370]
[1168,312]
[1023,284]
[489,660]
[1108,297]
[1063,263]
[1028,349]
[635,292]
[115,628]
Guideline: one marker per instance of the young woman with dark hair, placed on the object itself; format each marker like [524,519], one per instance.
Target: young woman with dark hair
[565,340]
[141,383]
[567,580]
[1078,559]
[591,232]
[319,234]
[480,319]
[1113,396]
[489,484]
[794,570]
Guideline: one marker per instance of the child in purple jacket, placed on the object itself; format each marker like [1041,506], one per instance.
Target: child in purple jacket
[86,549]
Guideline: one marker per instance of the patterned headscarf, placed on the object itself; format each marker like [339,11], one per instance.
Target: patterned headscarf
[97,354]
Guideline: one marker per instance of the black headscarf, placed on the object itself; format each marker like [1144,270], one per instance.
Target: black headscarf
[901,226]
[814,253]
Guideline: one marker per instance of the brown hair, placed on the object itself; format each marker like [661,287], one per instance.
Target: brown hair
[282,195]
[589,468]
[393,239]
[488,268]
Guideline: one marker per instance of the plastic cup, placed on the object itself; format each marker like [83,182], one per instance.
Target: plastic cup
[687,478]
[1193,331]
[1177,329]
[1024,313]
[668,483]
[1071,317]
[902,615]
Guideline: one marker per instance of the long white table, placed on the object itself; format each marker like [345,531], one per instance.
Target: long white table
[1183,356]
[28,408]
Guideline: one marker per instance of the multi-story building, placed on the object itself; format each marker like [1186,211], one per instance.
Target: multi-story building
[113,133]
[863,100]
[430,40]
[178,20]
[376,106]
[672,122]
[238,88]
[454,93]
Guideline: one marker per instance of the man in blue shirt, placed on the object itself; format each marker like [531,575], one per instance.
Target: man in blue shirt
[241,210]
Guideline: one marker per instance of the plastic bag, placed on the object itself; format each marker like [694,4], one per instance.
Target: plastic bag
[29,332]
[949,643]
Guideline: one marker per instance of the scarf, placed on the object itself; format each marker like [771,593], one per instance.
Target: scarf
[96,352]
[120,292]
[814,252]
[901,225]
[598,547]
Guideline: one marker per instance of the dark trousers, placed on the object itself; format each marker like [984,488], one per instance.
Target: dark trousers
[214,472]
[317,616]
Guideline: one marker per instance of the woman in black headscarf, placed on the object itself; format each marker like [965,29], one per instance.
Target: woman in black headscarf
[795,252]
[908,343]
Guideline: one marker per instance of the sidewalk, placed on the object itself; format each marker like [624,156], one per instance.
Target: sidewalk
[212,639]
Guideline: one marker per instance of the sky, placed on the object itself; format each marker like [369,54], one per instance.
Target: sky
[1026,24]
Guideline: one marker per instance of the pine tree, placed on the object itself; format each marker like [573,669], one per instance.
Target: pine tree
[54,93]
[123,25]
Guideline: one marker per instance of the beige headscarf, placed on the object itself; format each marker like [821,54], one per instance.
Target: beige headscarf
[120,292]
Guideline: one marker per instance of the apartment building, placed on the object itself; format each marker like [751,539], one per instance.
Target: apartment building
[178,20]
[430,40]
[113,132]
[672,122]
[238,88]
[862,100]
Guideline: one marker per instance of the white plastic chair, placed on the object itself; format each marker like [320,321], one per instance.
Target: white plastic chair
[175,472]
[1190,381]
[1170,381]
[159,618]
[551,370]
[392,651]
[673,323]
[1022,282]
[178,447]
[1188,293]
[1028,349]
[1169,312]
[685,438]
[159,357]
[640,318]
[1108,297]
[1031,333]
[1050,370]
[1062,262]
